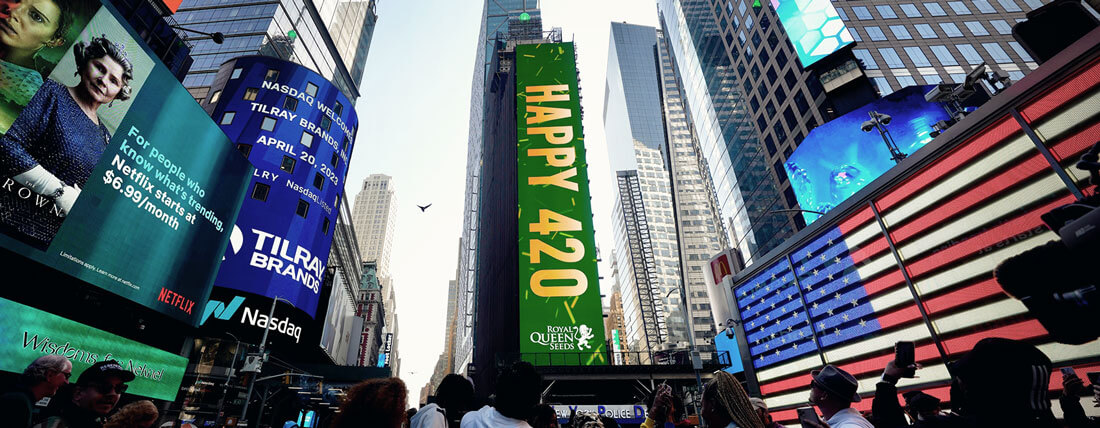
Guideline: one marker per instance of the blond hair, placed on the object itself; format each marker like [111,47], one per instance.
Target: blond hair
[733,400]
[131,415]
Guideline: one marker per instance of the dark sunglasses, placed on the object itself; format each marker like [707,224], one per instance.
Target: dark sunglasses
[105,389]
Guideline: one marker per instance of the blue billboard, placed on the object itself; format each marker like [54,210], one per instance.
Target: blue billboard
[838,158]
[297,129]
[814,27]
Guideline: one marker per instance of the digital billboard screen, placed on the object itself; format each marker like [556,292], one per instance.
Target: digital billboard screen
[814,27]
[98,182]
[27,333]
[560,312]
[297,129]
[838,158]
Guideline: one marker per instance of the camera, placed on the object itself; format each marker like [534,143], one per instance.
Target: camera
[1055,280]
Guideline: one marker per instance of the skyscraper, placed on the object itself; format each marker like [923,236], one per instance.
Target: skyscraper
[374,217]
[753,100]
[331,37]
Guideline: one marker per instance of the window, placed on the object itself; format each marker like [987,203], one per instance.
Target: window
[968,52]
[904,81]
[997,53]
[958,77]
[951,29]
[932,79]
[236,73]
[268,124]
[862,13]
[290,103]
[288,164]
[977,28]
[324,226]
[917,56]
[882,85]
[1010,6]
[1020,51]
[1034,4]
[886,11]
[251,93]
[865,56]
[1001,26]
[216,96]
[959,7]
[338,108]
[984,6]
[944,55]
[1015,75]
[900,32]
[227,118]
[260,191]
[318,181]
[307,139]
[926,31]
[303,208]
[910,10]
[855,34]
[891,57]
[335,160]
[272,75]
[311,89]
[245,149]
[875,33]
[843,15]
[934,9]
[326,123]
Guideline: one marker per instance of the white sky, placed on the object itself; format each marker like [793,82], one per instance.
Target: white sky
[414,113]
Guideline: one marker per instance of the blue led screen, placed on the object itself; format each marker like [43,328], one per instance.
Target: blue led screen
[814,27]
[838,159]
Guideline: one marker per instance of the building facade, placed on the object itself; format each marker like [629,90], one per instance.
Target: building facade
[753,102]
[374,217]
[330,37]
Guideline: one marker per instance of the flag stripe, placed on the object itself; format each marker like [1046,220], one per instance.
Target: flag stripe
[1066,90]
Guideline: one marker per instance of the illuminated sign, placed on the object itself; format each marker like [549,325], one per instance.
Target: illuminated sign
[384,357]
[122,199]
[838,158]
[814,27]
[560,313]
[246,316]
[622,413]
[29,333]
[297,129]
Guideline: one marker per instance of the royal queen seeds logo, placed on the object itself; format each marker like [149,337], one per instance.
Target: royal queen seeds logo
[564,337]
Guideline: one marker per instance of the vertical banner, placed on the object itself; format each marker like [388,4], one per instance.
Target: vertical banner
[560,313]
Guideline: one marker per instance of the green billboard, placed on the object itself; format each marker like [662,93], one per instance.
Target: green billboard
[560,312]
[27,333]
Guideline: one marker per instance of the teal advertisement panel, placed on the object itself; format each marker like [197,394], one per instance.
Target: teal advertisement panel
[27,333]
[560,312]
[112,173]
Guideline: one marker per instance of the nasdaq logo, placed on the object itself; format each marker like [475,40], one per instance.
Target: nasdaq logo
[220,310]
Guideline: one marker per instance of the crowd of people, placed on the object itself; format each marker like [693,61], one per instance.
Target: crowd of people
[999,383]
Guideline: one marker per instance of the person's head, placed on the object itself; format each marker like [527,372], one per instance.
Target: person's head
[104,69]
[410,413]
[100,386]
[375,402]
[833,389]
[543,417]
[609,422]
[1002,379]
[761,409]
[141,414]
[48,373]
[725,401]
[455,393]
[585,419]
[921,406]
[36,24]
[518,391]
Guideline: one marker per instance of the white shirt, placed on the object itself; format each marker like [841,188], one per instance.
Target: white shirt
[430,416]
[488,417]
[849,418]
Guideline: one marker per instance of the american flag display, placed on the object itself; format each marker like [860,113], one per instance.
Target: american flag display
[841,297]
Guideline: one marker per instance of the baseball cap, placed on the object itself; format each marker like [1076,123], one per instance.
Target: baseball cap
[758,403]
[104,369]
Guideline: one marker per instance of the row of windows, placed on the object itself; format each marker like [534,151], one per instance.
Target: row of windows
[261,190]
[959,8]
[926,31]
[917,57]
[884,87]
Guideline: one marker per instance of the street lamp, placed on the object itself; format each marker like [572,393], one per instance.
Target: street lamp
[216,36]
[879,121]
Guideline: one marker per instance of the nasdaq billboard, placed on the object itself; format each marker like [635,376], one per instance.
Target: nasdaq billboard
[814,27]
[297,129]
[560,313]
[96,179]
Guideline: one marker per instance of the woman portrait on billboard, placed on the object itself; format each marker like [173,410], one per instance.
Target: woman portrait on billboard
[33,35]
[52,147]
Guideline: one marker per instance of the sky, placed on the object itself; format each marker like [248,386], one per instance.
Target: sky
[414,126]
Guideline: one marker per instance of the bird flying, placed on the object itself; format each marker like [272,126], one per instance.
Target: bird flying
[423,207]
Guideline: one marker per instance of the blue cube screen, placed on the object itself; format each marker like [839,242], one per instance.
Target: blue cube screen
[838,159]
[814,27]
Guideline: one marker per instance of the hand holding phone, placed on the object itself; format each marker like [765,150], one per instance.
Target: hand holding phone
[904,354]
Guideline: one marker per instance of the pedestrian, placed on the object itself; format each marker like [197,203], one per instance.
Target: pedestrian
[1073,388]
[833,391]
[583,419]
[761,408]
[662,407]
[544,417]
[373,403]
[40,379]
[139,414]
[453,398]
[518,391]
[726,405]
[95,394]
[1002,382]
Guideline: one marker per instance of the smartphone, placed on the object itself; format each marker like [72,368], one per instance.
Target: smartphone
[1094,378]
[807,414]
[904,354]
[1066,371]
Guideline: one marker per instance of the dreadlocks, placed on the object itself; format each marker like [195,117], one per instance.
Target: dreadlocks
[727,393]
